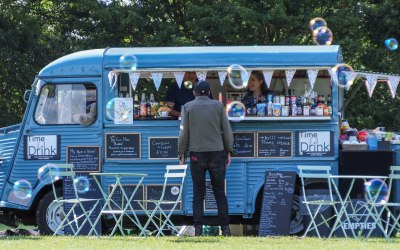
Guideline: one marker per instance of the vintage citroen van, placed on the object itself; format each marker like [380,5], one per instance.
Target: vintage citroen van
[67,110]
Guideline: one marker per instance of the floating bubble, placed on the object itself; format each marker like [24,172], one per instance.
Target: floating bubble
[377,191]
[82,184]
[22,189]
[238,77]
[391,44]
[188,84]
[128,62]
[317,22]
[344,74]
[236,111]
[110,110]
[44,172]
[322,36]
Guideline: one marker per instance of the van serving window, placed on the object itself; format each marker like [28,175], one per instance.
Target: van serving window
[62,104]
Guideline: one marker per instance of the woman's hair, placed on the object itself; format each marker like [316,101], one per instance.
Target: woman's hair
[260,76]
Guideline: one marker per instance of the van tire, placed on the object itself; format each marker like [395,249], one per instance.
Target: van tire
[48,213]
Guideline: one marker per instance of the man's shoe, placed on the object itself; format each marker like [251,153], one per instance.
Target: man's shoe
[198,230]
[226,231]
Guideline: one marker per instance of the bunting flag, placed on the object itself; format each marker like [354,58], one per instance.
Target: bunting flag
[201,75]
[222,76]
[179,78]
[312,76]
[134,78]
[268,76]
[350,76]
[289,75]
[157,78]
[113,79]
[370,83]
[334,76]
[393,82]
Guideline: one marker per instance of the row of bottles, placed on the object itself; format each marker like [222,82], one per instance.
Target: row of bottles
[144,108]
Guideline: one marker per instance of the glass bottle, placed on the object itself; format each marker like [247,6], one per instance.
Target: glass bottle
[136,107]
[143,106]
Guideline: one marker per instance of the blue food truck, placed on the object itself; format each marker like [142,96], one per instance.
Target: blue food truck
[68,108]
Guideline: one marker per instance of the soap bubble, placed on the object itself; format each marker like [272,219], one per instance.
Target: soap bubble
[22,189]
[236,111]
[82,184]
[322,36]
[317,22]
[377,191]
[391,44]
[44,172]
[128,62]
[343,72]
[238,77]
[188,84]
[110,110]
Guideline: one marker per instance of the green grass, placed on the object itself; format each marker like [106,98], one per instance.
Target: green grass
[132,242]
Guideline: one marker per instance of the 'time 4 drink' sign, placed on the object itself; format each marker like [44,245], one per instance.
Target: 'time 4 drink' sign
[314,143]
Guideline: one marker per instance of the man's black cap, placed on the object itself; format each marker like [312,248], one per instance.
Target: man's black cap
[201,88]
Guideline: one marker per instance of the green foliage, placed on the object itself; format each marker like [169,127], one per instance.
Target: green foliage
[33,33]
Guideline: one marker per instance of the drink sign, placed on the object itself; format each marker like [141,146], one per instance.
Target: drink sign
[274,144]
[314,143]
[243,145]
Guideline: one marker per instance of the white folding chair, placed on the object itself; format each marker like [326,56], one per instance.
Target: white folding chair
[392,209]
[77,211]
[161,217]
[323,173]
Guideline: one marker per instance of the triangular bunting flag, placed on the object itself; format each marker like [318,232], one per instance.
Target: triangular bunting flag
[370,83]
[350,76]
[134,78]
[113,79]
[393,82]
[334,75]
[289,75]
[312,75]
[179,77]
[222,76]
[268,76]
[201,75]
[157,77]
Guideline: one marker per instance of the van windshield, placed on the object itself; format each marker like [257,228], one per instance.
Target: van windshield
[66,104]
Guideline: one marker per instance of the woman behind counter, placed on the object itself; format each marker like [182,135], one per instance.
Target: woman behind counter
[257,92]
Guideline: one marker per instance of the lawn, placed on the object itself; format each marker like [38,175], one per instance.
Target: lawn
[132,242]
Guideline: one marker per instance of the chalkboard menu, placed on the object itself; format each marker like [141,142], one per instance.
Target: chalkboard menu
[274,144]
[92,192]
[154,192]
[209,200]
[277,202]
[163,147]
[243,145]
[84,158]
[123,146]
[119,200]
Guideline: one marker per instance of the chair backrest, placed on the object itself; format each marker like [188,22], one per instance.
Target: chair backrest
[315,172]
[59,171]
[175,174]
[393,176]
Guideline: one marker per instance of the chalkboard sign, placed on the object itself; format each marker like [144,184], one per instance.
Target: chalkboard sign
[154,192]
[123,146]
[243,145]
[84,158]
[277,202]
[163,147]
[274,144]
[93,192]
[210,203]
[119,200]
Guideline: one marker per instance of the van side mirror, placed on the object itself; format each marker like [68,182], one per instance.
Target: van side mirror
[27,94]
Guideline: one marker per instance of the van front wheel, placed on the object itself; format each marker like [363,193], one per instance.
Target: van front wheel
[49,214]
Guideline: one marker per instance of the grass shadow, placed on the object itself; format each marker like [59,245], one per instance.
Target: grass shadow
[195,240]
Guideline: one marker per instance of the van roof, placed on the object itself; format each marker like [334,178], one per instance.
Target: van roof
[91,62]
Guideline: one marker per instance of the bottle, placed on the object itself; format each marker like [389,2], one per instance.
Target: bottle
[269,105]
[153,105]
[148,109]
[293,100]
[329,104]
[136,107]
[299,105]
[289,104]
[143,106]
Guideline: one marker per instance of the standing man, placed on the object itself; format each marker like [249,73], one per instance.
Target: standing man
[206,131]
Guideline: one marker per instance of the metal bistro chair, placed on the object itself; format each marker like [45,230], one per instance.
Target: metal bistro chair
[77,210]
[391,208]
[317,172]
[161,217]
